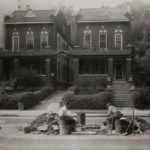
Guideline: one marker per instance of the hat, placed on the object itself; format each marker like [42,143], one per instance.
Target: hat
[107,105]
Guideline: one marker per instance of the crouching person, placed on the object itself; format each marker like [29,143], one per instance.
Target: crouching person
[66,123]
[113,119]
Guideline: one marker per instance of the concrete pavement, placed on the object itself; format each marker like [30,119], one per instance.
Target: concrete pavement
[53,107]
[96,142]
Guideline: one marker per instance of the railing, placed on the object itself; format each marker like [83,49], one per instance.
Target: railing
[9,52]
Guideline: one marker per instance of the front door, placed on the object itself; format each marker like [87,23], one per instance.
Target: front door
[119,71]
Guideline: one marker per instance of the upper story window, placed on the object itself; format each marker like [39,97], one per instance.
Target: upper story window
[29,39]
[119,38]
[44,38]
[15,41]
[103,38]
[87,38]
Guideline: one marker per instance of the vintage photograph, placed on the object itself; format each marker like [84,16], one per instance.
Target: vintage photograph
[74,74]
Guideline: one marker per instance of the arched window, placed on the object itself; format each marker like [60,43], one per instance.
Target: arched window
[29,39]
[44,38]
[87,38]
[15,41]
[119,38]
[103,38]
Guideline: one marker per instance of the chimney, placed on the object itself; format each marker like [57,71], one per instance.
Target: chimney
[27,7]
[19,4]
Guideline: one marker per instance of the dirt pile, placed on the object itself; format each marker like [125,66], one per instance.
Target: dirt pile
[49,124]
[45,123]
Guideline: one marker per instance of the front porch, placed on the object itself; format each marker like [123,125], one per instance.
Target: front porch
[109,68]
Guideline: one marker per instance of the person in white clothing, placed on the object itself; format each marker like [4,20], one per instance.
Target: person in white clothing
[62,110]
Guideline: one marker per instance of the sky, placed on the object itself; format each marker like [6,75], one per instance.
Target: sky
[7,6]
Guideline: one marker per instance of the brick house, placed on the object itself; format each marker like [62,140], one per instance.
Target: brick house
[103,38]
[40,39]
[34,39]
[103,50]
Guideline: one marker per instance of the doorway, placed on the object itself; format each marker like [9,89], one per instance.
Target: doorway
[119,67]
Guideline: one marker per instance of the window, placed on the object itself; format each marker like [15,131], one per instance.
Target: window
[87,38]
[118,41]
[30,39]
[103,38]
[92,67]
[15,41]
[118,38]
[44,39]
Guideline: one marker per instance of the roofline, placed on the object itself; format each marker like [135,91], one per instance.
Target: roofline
[29,22]
[89,21]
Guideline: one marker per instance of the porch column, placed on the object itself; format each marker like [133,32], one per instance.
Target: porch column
[48,70]
[16,66]
[75,69]
[1,70]
[128,68]
[110,68]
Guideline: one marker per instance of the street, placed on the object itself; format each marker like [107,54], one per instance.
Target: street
[13,139]
[39,142]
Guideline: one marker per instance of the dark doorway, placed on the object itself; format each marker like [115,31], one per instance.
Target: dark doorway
[119,71]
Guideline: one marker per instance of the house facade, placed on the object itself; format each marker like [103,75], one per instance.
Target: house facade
[102,44]
[33,39]
[40,39]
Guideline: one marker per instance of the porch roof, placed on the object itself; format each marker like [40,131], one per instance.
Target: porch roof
[88,52]
[27,53]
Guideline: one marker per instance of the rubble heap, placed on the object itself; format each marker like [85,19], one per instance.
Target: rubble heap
[45,123]
[49,124]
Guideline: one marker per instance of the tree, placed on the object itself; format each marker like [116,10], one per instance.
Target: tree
[28,78]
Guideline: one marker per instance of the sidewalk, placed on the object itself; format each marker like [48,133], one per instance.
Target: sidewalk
[54,108]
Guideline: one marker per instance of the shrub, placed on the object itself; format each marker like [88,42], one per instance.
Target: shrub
[95,101]
[28,78]
[146,93]
[29,99]
[138,99]
[74,89]
[86,82]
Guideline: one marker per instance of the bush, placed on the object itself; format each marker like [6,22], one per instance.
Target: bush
[146,93]
[138,99]
[74,89]
[86,82]
[95,101]
[28,78]
[29,99]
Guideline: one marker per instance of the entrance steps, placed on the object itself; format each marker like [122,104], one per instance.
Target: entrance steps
[121,94]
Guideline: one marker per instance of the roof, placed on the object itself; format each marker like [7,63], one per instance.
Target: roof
[74,52]
[88,52]
[31,16]
[27,53]
[104,14]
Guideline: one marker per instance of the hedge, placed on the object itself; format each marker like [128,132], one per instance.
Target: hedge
[29,99]
[95,101]
[141,98]
[138,99]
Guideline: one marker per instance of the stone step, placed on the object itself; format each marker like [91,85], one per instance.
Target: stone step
[121,98]
[120,94]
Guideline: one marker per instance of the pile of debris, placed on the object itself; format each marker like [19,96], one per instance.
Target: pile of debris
[49,124]
[45,123]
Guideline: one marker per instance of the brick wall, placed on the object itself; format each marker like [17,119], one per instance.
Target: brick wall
[110,27]
[22,29]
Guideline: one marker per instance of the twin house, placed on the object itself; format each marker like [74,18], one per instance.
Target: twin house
[41,39]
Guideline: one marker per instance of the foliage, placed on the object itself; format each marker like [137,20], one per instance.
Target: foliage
[86,82]
[138,99]
[29,99]
[141,71]
[140,19]
[95,101]
[28,78]
[141,97]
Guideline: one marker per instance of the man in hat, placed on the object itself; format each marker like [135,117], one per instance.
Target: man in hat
[113,119]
